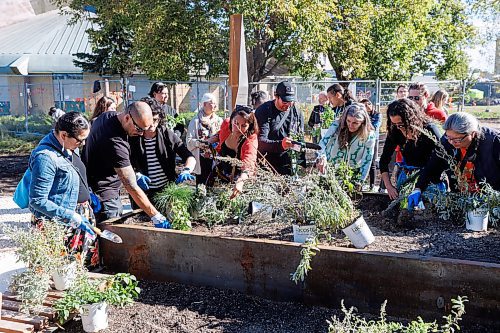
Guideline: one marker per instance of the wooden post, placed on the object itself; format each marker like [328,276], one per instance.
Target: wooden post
[238,75]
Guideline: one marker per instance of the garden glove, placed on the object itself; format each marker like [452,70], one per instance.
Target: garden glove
[414,200]
[143,181]
[184,175]
[95,203]
[77,221]
[161,221]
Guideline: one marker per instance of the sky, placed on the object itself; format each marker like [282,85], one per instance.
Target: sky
[482,56]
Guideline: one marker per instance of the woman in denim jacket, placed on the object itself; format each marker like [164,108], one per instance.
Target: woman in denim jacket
[57,190]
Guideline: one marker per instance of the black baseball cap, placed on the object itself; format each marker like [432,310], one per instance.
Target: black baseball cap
[285,91]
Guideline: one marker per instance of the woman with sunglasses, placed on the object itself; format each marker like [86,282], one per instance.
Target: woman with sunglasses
[475,150]
[405,123]
[59,189]
[238,138]
[350,139]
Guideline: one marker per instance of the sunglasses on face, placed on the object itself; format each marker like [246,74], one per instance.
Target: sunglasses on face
[414,98]
[398,125]
[137,128]
[456,140]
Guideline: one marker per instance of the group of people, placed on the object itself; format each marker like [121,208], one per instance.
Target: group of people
[82,159]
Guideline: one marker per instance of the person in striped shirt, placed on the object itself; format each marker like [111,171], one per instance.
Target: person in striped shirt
[154,155]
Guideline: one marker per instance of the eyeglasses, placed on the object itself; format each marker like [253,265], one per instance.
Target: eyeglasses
[399,125]
[78,141]
[456,140]
[137,128]
[414,98]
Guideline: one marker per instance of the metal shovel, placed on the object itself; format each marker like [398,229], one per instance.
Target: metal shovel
[106,234]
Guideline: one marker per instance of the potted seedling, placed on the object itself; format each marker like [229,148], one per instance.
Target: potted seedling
[44,252]
[91,298]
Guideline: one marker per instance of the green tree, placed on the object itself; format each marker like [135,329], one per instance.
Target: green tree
[402,38]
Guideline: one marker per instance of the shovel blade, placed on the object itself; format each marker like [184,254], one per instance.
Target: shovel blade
[111,236]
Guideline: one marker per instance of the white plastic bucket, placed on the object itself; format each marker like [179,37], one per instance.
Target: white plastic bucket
[359,233]
[95,317]
[301,233]
[477,219]
[64,276]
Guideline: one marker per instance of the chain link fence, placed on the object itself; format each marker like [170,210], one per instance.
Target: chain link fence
[29,96]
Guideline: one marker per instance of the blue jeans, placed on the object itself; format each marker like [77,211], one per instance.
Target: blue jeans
[110,208]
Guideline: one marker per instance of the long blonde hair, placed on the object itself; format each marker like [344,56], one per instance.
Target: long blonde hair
[358,111]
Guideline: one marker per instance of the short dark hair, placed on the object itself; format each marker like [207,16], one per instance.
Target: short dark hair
[157,87]
[259,96]
[52,110]
[73,123]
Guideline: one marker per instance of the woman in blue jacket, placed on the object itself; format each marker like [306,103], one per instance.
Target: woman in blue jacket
[58,188]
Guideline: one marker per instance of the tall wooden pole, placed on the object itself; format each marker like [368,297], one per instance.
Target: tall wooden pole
[238,75]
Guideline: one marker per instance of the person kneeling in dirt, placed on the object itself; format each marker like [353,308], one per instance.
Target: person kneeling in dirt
[238,138]
[153,155]
[405,126]
[107,157]
[352,139]
[475,151]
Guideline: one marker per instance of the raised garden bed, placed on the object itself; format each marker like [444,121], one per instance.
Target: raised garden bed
[413,282]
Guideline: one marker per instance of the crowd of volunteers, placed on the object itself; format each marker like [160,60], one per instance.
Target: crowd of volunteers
[84,163]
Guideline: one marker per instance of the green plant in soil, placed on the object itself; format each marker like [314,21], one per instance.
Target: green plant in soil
[175,202]
[327,117]
[353,323]
[120,290]
[43,251]
[308,251]
[214,206]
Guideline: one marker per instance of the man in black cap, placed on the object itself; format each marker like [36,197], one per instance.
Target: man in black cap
[278,121]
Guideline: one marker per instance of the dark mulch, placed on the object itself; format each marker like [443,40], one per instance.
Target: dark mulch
[12,168]
[171,307]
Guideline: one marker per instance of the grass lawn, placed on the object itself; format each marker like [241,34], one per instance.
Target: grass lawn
[479,111]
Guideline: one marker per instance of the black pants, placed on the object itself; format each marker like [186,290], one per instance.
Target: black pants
[206,168]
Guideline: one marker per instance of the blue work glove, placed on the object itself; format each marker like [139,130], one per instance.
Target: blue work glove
[95,203]
[87,227]
[184,175]
[143,181]
[160,221]
[79,222]
[414,199]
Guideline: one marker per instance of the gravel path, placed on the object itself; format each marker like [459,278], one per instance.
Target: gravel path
[10,214]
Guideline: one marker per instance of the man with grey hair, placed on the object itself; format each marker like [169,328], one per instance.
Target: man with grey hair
[107,157]
[475,150]
[419,93]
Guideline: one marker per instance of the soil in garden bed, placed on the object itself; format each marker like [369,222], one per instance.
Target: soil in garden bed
[421,234]
[171,307]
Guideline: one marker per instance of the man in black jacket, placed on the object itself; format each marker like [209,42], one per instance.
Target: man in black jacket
[278,121]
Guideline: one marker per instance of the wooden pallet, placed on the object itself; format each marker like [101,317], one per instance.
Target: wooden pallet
[13,321]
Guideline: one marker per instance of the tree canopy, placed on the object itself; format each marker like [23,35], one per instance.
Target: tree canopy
[173,40]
